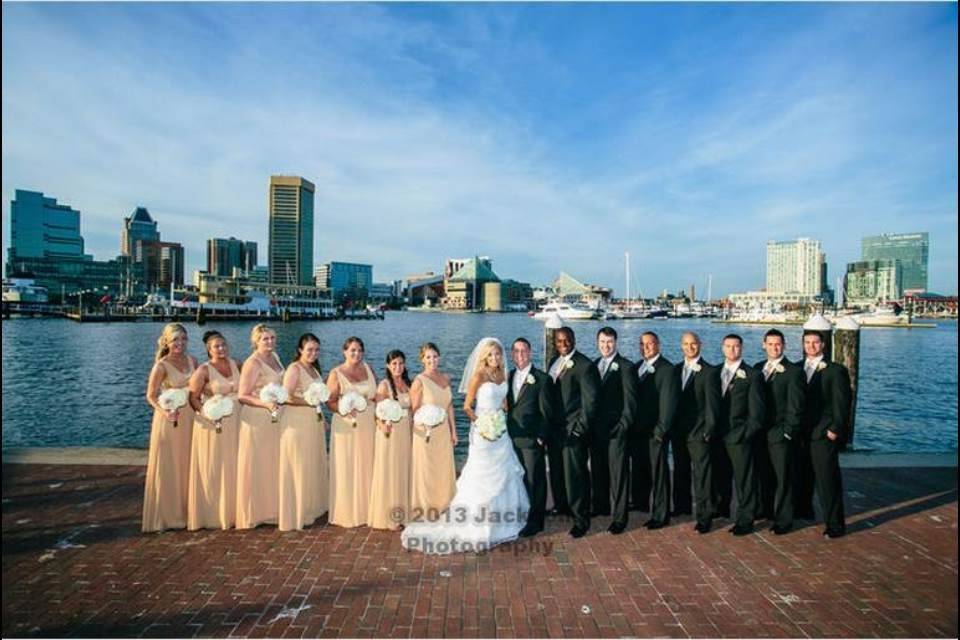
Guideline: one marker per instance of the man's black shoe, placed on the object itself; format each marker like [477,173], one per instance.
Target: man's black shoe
[702,528]
[561,512]
[654,524]
[528,531]
[834,533]
[616,528]
[577,531]
[778,530]
[742,530]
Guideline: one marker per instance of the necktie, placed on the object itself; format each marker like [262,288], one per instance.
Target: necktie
[687,374]
[727,377]
[810,367]
[603,368]
[768,370]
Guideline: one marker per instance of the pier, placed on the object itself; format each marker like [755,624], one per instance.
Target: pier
[174,314]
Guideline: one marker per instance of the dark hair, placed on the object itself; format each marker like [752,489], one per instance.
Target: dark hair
[349,341]
[567,331]
[651,334]
[607,331]
[210,335]
[393,355]
[524,341]
[774,333]
[732,336]
[302,342]
[427,346]
[814,332]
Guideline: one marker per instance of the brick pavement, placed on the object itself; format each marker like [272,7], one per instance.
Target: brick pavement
[76,564]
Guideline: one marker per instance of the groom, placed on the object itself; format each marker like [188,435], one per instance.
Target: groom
[577,386]
[529,414]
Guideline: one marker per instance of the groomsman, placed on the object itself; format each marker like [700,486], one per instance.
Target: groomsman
[741,419]
[694,428]
[783,395]
[529,414]
[658,404]
[577,385]
[825,422]
[616,412]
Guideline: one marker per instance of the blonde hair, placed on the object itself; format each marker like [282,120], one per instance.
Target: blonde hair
[258,331]
[427,346]
[169,333]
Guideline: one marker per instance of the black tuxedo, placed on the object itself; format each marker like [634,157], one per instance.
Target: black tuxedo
[577,388]
[694,426]
[659,393]
[616,411]
[528,422]
[741,419]
[827,407]
[783,395]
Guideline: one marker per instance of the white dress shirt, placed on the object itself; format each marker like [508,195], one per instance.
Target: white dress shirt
[729,371]
[770,366]
[604,365]
[688,371]
[519,379]
[647,365]
[559,364]
[810,366]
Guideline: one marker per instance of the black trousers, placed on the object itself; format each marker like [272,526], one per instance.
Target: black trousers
[802,480]
[780,455]
[660,468]
[535,480]
[638,450]
[558,482]
[826,470]
[619,476]
[600,470]
[722,478]
[682,498]
[741,457]
[766,477]
[701,456]
[577,479]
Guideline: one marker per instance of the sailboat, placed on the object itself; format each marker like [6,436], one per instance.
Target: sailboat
[627,310]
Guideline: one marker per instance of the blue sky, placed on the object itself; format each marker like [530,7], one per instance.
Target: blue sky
[549,136]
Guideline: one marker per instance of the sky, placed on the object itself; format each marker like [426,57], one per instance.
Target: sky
[548,136]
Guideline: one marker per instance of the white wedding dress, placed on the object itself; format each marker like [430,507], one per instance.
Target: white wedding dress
[491,503]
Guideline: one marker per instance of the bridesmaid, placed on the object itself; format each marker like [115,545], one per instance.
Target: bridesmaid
[433,477]
[258,456]
[303,443]
[351,445]
[390,496]
[168,467]
[212,494]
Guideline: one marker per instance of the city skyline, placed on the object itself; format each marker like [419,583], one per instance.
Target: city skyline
[729,126]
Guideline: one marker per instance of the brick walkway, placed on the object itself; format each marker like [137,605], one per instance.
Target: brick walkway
[75,564]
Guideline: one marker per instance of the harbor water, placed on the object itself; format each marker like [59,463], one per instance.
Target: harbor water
[71,384]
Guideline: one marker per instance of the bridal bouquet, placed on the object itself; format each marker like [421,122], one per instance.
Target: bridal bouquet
[349,402]
[429,416]
[490,426]
[389,410]
[216,409]
[172,400]
[274,393]
[315,395]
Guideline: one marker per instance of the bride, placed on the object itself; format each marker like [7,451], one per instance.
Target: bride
[491,503]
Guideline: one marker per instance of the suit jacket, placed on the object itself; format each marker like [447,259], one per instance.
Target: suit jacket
[698,404]
[828,402]
[619,397]
[659,392]
[530,415]
[577,389]
[741,407]
[783,398]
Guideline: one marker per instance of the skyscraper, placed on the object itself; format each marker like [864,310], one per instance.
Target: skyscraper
[225,254]
[291,230]
[42,228]
[796,266]
[139,225]
[911,249]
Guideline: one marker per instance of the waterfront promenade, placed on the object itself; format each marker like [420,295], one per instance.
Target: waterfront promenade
[76,564]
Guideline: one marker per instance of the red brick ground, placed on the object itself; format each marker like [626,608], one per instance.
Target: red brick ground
[76,564]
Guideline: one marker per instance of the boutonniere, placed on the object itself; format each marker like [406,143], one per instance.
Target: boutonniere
[741,374]
[614,366]
[821,365]
[779,368]
[530,379]
[568,364]
[696,367]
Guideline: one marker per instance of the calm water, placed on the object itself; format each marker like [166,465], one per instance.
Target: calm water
[82,384]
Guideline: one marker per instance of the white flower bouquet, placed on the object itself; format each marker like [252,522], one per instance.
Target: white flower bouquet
[389,410]
[274,393]
[349,402]
[216,409]
[490,426]
[429,416]
[172,400]
[316,395]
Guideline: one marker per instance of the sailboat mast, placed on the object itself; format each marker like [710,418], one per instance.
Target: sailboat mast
[627,272]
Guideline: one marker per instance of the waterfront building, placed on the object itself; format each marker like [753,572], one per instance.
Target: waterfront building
[425,289]
[872,281]
[911,249]
[139,225]
[473,286]
[162,264]
[290,252]
[796,266]
[772,300]
[571,290]
[345,280]
[225,254]
[240,294]
[452,265]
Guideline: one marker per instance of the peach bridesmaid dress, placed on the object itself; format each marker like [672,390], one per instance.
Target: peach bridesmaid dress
[168,466]
[351,457]
[433,475]
[390,493]
[303,460]
[212,497]
[258,456]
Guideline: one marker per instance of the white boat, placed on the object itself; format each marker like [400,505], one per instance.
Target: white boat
[565,311]
[881,316]
[24,290]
